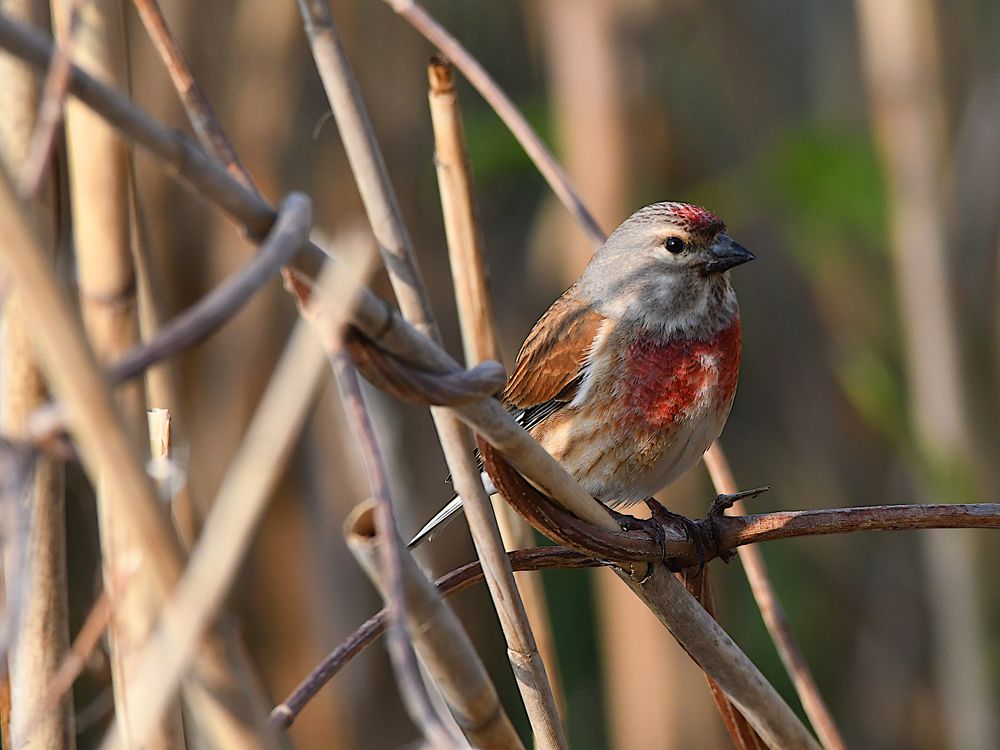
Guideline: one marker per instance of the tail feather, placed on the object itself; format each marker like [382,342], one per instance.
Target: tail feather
[447,514]
[438,522]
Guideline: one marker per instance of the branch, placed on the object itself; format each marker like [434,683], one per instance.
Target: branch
[774,615]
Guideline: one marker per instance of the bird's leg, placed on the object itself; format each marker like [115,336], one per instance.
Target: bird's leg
[719,506]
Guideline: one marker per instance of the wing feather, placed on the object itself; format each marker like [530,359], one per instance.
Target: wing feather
[551,362]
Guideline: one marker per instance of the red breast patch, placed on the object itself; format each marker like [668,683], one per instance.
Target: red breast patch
[666,381]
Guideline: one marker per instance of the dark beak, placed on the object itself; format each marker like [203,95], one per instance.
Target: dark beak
[725,254]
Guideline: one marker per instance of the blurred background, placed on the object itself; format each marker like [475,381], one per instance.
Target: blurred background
[852,146]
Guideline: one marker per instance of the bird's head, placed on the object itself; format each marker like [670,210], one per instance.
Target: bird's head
[668,264]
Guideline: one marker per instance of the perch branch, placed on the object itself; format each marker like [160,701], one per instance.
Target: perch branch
[735,532]
[774,616]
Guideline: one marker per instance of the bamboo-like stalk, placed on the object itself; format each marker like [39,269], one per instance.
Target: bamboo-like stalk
[899,54]
[774,614]
[36,582]
[99,184]
[399,257]
[443,645]
[475,313]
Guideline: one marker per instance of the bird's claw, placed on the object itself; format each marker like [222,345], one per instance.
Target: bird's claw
[661,516]
[650,526]
[719,506]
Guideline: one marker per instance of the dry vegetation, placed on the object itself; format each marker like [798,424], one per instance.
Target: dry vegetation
[173,484]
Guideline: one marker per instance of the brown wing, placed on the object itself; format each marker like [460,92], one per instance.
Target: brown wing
[550,363]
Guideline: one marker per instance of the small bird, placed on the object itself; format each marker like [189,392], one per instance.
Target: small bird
[629,376]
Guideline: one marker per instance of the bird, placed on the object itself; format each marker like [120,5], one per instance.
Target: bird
[630,375]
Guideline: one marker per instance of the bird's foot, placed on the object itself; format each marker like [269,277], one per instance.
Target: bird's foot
[650,526]
[719,506]
[662,517]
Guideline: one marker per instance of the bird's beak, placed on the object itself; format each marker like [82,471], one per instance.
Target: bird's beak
[725,254]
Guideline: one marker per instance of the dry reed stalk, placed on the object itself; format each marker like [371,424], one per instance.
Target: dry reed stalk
[721,659]
[470,278]
[237,509]
[101,436]
[900,54]
[774,614]
[36,581]
[440,639]
[99,184]
[399,257]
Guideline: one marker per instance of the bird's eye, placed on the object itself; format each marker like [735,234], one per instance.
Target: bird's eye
[674,245]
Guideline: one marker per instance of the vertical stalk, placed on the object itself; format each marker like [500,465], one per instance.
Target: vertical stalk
[99,184]
[475,312]
[42,639]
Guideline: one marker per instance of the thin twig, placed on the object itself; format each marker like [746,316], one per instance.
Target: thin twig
[774,615]
[383,564]
[538,558]
[399,257]
[235,512]
[83,646]
[539,153]
[198,109]
[207,314]
[50,111]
